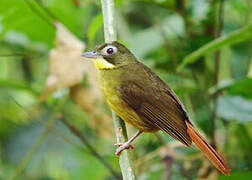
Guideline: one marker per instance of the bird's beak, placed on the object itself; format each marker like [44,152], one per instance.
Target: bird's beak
[91,55]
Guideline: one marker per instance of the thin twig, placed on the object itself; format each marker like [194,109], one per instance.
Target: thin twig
[47,125]
[170,49]
[91,149]
[48,21]
[168,161]
[65,138]
[51,128]
[49,13]
[147,158]
[120,128]
[12,54]
[217,34]
[38,141]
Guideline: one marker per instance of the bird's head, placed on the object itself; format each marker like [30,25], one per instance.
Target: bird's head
[110,55]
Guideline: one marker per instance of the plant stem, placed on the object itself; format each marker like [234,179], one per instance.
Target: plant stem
[217,34]
[121,136]
[108,20]
[92,150]
[120,128]
[39,140]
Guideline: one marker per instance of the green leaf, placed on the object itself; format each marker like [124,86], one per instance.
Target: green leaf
[245,175]
[76,19]
[18,19]
[15,85]
[241,87]
[31,24]
[145,41]
[237,36]
[96,24]
[235,108]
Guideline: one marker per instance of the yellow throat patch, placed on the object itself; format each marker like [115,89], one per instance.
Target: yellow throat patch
[101,63]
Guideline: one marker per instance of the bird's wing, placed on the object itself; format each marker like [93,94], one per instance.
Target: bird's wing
[157,106]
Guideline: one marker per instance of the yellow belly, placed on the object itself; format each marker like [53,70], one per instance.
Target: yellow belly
[112,96]
[127,114]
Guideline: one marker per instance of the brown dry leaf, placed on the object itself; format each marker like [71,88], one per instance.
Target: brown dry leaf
[67,67]
[94,89]
[99,121]
[66,70]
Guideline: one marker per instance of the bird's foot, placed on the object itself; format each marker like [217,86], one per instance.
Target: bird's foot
[122,146]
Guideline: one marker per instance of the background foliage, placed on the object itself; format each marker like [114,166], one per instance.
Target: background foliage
[176,38]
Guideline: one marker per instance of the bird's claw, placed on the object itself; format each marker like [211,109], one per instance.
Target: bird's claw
[122,146]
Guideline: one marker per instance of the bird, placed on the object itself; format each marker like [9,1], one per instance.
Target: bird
[141,98]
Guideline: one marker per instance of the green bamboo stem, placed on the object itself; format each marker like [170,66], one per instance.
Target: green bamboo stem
[120,128]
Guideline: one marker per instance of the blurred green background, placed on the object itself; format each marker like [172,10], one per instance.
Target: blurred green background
[43,81]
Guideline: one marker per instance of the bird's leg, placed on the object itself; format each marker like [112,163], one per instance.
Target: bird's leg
[126,145]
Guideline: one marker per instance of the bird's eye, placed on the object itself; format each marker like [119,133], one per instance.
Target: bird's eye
[109,50]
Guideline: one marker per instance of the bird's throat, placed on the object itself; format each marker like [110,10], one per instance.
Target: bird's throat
[101,63]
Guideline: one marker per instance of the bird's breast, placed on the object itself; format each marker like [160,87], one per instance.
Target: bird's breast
[110,86]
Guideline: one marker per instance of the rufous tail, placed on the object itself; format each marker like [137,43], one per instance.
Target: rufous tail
[207,149]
